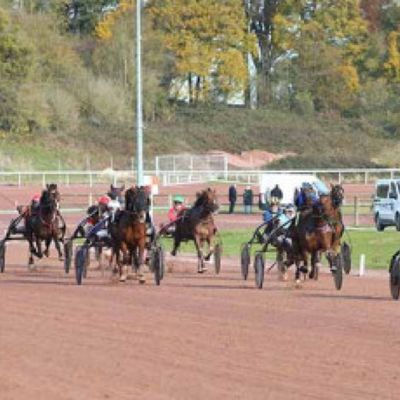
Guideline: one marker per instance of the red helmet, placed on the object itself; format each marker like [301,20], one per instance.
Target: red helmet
[103,200]
[36,197]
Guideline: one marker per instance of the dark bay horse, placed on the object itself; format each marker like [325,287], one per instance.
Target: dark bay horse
[43,224]
[128,232]
[198,224]
[319,230]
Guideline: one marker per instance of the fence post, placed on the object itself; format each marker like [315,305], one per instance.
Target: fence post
[90,179]
[356,211]
[366,178]
[340,178]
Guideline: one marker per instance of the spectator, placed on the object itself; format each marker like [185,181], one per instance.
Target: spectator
[232,198]
[248,200]
[276,193]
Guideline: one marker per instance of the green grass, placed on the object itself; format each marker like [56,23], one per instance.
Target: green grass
[378,247]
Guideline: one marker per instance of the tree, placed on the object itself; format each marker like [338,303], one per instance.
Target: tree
[208,43]
[82,16]
[15,61]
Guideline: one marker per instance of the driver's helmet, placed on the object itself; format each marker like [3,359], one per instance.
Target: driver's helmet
[306,185]
[178,199]
[290,210]
[36,198]
[103,200]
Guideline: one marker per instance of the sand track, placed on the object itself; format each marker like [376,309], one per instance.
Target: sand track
[194,337]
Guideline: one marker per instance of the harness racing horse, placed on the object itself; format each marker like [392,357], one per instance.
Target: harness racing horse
[128,232]
[320,230]
[43,224]
[55,194]
[197,224]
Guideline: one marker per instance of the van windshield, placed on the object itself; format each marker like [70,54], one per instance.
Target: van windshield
[382,191]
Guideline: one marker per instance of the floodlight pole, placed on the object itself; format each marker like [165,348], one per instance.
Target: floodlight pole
[139,100]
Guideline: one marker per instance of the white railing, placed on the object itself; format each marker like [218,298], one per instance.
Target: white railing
[166,178]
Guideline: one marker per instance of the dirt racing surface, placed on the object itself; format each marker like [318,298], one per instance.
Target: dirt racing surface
[194,337]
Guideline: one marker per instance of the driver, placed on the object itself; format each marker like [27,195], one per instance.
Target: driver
[177,208]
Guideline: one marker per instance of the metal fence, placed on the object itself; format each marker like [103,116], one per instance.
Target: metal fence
[176,177]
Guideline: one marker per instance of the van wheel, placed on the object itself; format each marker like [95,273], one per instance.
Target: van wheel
[397,220]
[378,224]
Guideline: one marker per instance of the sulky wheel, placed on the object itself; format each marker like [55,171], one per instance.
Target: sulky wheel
[245,260]
[81,257]
[162,261]
[259,266]
[157,267]
[2,256]
[395,277]
[217,257]
[338,272]
[346,255]
[68,252]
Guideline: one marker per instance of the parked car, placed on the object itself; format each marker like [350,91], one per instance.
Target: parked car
[386,204]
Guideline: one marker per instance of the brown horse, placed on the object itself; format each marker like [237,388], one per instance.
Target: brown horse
[198,224]
[43,224]
[128,232]
[319,230]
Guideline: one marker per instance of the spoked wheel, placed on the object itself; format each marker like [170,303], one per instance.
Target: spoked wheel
[346,255]
[395,277]
[338,272]
[157,261]
[81,256]
[68,252]
[217,257]
[2,256]
[259,267]
[245,260]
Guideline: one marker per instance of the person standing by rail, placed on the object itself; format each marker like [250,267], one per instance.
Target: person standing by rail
[248,200]
[232,198]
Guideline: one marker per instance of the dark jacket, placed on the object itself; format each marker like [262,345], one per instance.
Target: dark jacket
[232,194]
[248,197]
[277,192]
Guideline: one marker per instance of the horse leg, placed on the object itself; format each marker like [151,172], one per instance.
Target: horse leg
[200,257]
[39,247]
[314,262]
[210,247]
[123,269]
[48,242]
[177,243]
[141,249]
[58,247]
[281,265]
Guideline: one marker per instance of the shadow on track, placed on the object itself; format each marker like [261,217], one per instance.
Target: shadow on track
[346,297]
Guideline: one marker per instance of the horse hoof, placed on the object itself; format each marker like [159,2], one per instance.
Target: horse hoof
[284,276]
[297,284]
[122,278]
[132,276]
[200,271]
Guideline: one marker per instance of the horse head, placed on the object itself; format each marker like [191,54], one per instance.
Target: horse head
[52,189]
[48,202]
[116,192]
[207,199]
[137,200]
[337,195]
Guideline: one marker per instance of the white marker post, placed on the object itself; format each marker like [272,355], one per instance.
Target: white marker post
[362,265]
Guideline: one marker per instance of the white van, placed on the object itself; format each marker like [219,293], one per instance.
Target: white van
[289,183]
[386,204]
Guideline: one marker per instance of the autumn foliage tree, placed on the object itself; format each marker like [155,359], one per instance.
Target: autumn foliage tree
[208,43]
